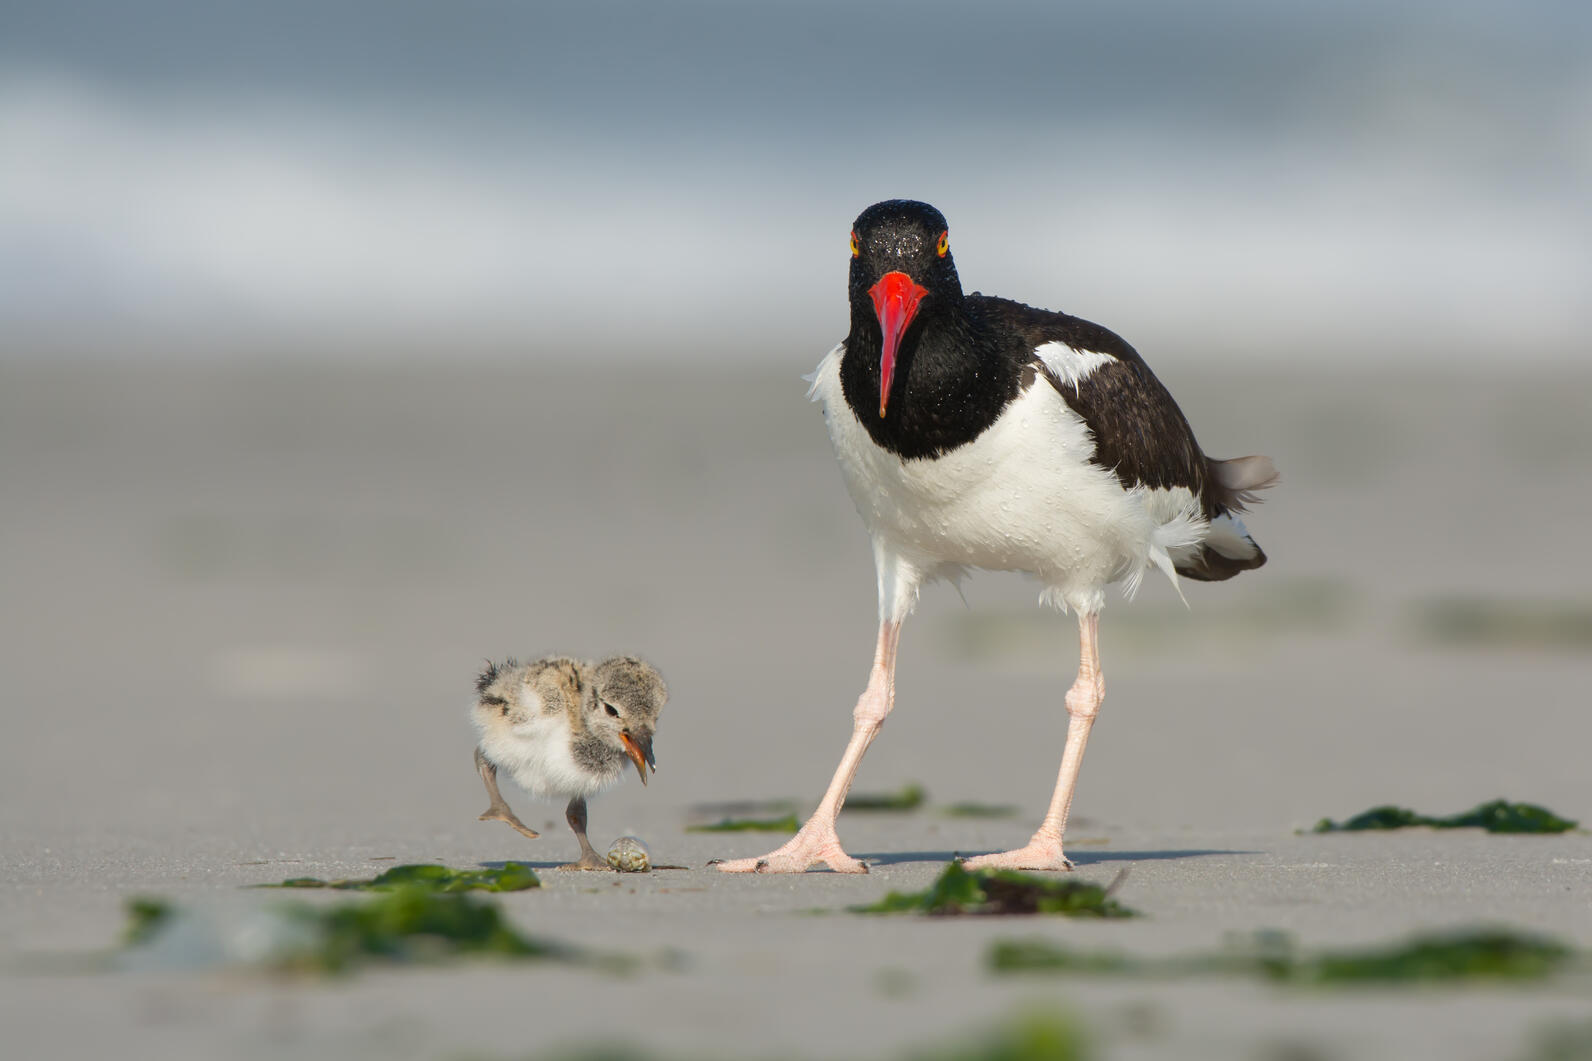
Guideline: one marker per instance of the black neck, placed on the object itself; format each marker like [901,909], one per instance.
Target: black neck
[952,378]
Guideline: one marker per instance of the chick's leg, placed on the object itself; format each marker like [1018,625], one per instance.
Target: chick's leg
[499,810]
[575,814]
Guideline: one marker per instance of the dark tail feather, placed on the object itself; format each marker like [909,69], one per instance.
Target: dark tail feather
[1208,565]
[1237,482]
[1229,549]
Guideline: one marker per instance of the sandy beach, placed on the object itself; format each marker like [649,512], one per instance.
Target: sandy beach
[244,605]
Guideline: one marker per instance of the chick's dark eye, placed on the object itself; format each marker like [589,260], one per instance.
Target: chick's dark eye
[613,712]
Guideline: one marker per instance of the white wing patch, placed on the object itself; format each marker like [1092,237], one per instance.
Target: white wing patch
[1070,364]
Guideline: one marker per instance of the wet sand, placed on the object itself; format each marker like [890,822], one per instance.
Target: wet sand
[243,607]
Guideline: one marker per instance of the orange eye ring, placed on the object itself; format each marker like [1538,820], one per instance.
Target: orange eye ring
[943,247]
[856,248]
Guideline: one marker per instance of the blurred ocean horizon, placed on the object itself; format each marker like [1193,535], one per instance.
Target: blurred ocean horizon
[1238,181]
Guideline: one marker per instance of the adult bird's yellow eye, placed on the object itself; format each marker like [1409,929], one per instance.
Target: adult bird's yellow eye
[943,247]
[856,248]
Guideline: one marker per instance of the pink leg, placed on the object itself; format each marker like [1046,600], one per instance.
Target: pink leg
[817,841]
[1083,703]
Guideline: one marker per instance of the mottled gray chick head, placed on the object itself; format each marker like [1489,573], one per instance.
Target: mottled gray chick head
[628,696]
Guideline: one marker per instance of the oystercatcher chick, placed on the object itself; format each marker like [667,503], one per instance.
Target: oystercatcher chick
[977,432]
[565,728]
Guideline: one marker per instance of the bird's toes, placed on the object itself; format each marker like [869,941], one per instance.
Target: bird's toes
[809,846]
[492,815]
[739,865]
[794,862]
[847,864]
[1044,857]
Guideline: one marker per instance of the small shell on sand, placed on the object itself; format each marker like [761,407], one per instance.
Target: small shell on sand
[630,855]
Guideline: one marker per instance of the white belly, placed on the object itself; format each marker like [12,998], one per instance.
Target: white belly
[1023,496]
[536,754]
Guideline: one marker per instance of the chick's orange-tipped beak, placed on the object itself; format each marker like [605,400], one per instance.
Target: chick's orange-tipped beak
[640,751]
[895,302]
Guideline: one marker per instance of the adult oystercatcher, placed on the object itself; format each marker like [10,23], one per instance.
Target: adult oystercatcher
[978,432]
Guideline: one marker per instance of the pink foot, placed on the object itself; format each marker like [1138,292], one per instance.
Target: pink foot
[1041,853]
[798,854]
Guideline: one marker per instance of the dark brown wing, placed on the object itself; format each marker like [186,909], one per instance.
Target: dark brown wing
[1140,434]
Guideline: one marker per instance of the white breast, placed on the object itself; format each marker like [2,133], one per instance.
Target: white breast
[536,754]
[1023,496]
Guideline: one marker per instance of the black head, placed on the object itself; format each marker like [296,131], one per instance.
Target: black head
[902,234]
[902,274]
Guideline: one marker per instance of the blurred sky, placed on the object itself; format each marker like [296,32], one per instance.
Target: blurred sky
[1242,179]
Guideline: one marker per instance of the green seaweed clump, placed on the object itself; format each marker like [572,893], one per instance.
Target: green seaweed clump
[1384,817]
[1499,816]
[970,809]
[960,891]
[1467,954]
[510,877]
[787,824]
[1037,1037]
[1035,955]
[744,808]
[1475,954]
[146,916]
[1509,624]
[410,924]
[908,798]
